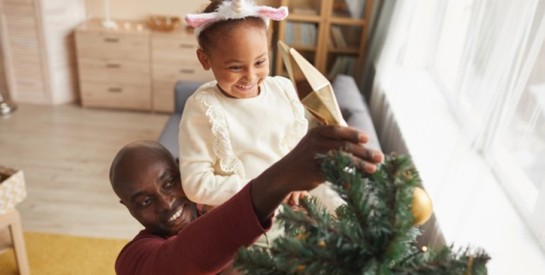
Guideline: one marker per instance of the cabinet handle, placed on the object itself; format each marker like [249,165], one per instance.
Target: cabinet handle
[111,39]
[113,65]
[187,71]
[187,46]
[115,90]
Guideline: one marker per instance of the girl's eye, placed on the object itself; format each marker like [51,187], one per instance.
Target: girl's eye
[144,202]
[235,68]
[261,62]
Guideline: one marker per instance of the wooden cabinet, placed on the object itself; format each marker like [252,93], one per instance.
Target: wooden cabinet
[132,67]
[331,34]
[173,58]
[113,66]
[37,48]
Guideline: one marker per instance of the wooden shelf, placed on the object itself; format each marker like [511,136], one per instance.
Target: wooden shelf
[304,18]
[304,48]
[344,51]
[335,47]
[347,21]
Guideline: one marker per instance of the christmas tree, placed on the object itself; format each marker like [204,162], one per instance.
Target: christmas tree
[373,233]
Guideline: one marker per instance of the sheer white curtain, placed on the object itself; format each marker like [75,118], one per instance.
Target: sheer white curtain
[488,84]
[460,86]
[515,147]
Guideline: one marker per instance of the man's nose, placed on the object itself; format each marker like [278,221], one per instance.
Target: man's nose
[164,202]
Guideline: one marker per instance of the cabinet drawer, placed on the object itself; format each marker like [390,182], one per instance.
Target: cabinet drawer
[114,71]
[27,2]
[125,96]
[175,56]
[124,46]
[163,96]
[173,50]
[173,73]
[175,42]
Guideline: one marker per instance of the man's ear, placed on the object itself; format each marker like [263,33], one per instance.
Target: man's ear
[203,58]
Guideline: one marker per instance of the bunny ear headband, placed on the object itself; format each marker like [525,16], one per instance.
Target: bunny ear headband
[235,9]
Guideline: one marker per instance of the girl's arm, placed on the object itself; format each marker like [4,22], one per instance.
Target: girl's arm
[197,159]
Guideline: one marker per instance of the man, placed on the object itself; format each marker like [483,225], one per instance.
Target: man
[145,177]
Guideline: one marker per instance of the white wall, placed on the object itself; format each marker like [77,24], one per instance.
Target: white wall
[132,10]
[3,80]
[3,84]
[141,9]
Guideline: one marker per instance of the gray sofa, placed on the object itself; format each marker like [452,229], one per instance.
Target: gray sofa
[353,107]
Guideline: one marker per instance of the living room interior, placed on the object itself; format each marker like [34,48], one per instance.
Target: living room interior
[459,86]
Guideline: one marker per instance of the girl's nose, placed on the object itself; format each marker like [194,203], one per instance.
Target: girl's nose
[250,75]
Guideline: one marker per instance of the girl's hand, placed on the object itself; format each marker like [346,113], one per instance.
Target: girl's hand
[293,198]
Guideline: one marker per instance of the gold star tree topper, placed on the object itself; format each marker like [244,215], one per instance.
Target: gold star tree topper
[313,88]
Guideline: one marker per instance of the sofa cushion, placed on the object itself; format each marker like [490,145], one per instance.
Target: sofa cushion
[169,135]
[182,91]
[354,107]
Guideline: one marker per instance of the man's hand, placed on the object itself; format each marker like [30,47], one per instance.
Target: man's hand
[300,170]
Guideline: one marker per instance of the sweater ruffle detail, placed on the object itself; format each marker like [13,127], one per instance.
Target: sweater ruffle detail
[222,147]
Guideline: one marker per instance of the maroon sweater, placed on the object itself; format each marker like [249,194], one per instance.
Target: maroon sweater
[206,246]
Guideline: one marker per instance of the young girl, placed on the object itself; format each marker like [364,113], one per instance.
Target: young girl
[235,127]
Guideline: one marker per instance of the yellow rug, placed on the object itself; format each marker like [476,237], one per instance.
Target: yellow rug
[63,254]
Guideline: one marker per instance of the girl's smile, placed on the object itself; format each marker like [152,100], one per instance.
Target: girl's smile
[239,58]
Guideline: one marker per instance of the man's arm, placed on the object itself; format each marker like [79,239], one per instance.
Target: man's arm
[299,170]
[206,246]
[209,244]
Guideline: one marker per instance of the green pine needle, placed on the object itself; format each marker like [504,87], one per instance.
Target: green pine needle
[372,233]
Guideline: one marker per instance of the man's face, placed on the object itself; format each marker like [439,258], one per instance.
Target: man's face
[153,193]
[239,61]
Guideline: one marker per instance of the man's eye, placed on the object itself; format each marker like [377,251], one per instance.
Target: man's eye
[169,183]
[261,62]
[144,202]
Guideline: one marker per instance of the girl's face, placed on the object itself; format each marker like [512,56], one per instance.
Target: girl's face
[239,60]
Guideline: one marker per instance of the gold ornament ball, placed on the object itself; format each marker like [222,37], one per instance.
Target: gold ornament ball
[321,243]
[421,206]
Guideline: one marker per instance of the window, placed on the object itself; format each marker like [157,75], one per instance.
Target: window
[488,57]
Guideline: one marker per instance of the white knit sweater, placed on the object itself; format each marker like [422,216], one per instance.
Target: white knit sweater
[226,142]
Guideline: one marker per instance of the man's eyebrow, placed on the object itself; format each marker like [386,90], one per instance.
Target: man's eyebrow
[136,195]
[165,174]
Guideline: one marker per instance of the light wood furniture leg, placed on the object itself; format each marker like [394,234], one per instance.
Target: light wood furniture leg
[10,223]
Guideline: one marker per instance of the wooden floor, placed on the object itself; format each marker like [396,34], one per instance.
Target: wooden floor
[65,152]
